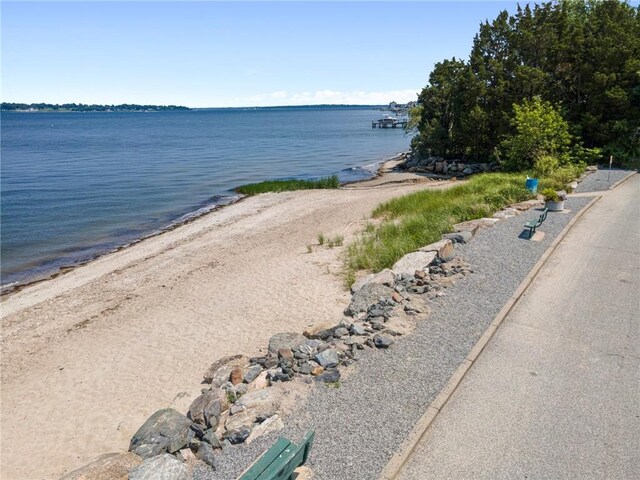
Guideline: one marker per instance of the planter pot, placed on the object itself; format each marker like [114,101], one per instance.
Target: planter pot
[554,206]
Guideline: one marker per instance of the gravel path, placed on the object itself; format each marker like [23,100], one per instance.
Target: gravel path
[360,425]
[600,180]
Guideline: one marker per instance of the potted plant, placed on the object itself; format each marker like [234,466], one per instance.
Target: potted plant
[553,200]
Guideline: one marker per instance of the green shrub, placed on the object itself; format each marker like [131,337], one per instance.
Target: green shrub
[585,156]
[562,177]
[545,165]
[288,185]
[539,130]
[550,195]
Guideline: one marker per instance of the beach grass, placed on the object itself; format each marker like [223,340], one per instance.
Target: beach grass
[418,219]
[288,185]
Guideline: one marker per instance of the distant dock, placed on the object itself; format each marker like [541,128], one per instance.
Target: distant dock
[388,121]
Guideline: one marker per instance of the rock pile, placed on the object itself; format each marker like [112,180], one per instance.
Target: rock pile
[245,398]
[443,168]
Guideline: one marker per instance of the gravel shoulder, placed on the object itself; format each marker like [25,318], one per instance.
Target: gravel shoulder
[360,425]
[601,180]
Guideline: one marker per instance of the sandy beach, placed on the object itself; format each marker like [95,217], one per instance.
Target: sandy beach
[89,355]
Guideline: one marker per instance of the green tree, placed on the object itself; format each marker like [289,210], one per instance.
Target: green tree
[441,106]
[582,56]
[539,132]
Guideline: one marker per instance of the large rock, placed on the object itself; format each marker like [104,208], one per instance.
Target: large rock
[328,358]
[211,438]
[110,466]
[205,409]
[261,402]
[459,237]
[303,473]
[320,330]
[527,204]
[361,282]
[329,376]
[237,436]
[164,431]
[162,467]
[382,341]
[271,424]
[218,373]
[366,296]
[205,453]
[413,261]
[444,248]
[242,419]
[285,340]
[473,225]
[385,277]
[252,373]
[260,382]
[506,213]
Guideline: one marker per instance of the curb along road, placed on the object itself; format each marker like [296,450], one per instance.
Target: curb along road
[395,465]
[622,180]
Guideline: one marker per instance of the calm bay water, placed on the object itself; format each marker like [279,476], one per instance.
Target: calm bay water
[76,185]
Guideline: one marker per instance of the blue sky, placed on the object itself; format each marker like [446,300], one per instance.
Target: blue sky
[228,54]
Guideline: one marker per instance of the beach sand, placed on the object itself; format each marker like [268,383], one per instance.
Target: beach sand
[88,356]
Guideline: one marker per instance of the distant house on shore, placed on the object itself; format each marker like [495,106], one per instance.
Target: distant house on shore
[401,108]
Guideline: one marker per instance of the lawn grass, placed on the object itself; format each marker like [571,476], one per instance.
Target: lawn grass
[420,218]
[288,185]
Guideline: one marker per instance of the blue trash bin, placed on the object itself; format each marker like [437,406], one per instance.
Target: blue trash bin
[532,185]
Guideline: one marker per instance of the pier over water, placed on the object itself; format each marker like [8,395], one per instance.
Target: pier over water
[389,122]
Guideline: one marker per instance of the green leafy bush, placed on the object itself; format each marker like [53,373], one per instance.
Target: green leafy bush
[545,165]
[540,134]
[550,195]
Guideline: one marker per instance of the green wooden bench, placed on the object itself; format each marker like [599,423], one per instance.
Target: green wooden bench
[533,224]
[279,462]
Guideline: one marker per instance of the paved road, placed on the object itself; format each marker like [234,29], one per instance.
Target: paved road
[556,392]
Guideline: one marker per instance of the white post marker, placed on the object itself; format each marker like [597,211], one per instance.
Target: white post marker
[610,162]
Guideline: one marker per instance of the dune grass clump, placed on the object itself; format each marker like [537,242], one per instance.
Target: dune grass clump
[336,241]
[418,219]
[288,185]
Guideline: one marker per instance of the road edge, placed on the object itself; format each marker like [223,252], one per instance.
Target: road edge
[631,174]
[397,462]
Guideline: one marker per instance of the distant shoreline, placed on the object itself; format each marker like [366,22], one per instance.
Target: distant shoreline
[81,107]
[62,108]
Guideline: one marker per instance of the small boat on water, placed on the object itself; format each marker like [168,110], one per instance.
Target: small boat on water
[388,121]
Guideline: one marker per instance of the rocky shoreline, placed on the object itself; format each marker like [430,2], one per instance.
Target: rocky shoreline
[245,398]
[441,168]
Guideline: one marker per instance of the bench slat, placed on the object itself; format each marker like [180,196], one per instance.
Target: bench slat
[270,456]
[279,462]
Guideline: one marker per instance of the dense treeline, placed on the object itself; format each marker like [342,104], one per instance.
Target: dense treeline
[577,60]
[80,107]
